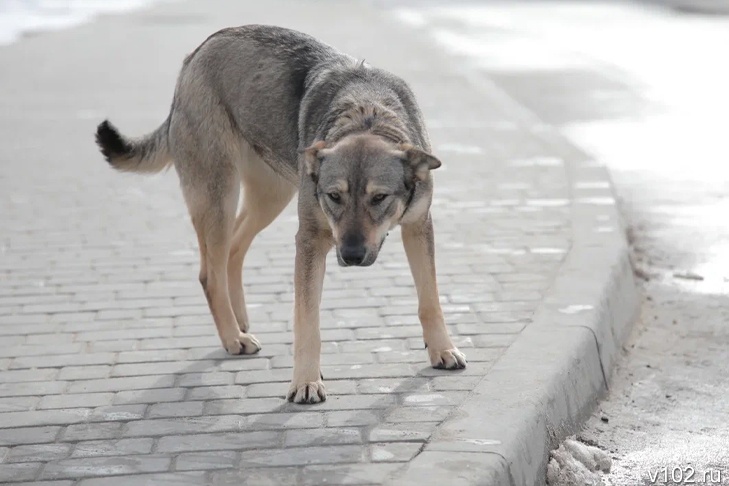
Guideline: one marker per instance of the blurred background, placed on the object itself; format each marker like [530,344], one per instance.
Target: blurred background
[23,17]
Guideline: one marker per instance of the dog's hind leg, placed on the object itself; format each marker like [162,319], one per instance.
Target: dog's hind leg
[418,240]
[212,208]
[265,195]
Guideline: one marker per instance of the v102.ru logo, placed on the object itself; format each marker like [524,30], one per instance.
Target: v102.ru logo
[686,475]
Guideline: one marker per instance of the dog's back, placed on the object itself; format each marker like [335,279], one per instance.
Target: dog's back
[272,89]
[254,76]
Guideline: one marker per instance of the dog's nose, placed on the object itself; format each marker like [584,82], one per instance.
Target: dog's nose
[353,254]
[353,250]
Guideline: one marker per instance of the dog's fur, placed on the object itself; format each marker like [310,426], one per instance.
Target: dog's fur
[274,110]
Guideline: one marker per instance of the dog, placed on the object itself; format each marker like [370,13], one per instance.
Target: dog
[272,111]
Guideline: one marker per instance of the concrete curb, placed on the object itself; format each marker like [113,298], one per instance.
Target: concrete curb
[546,384]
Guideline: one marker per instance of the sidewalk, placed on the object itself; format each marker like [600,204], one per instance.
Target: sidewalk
[109,361]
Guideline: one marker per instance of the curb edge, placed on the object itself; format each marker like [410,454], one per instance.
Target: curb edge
[547,383]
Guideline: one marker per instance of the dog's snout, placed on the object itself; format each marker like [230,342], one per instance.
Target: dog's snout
[353,255]
[353,250]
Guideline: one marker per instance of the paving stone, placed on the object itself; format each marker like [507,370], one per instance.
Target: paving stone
[119,384]
[77,400]
[121,447]
[216,392]
[245,405]
[91,431]
[206,379]
[84,372]
[260,390]
[50,483]
[353,418]
[20,376]
[350,474]
[160,368]
[180,342]
[244,363]
[434,399]
[117,412]
[45,361]
[105,466]
[38,452]
[279,476]
[393,385]
[165,479]
[184,425]
[449,383]
[418,414]
[320,437]
[367,371]
[151,356]
[23,471]
[113,346]
[406,431]
[43,417]
[149,396]
[263,376]
[27,435]
[277,421]
[18,404]
[390,332]
[33,388]
[223,441]
[190,461]
[302,456]
[175,409]
[395,452]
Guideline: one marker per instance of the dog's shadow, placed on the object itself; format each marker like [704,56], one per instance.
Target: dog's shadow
[274,457]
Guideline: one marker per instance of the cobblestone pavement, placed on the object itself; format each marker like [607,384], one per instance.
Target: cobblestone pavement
[109,361]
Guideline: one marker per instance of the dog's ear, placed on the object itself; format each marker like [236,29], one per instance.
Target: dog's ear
[418,163]
[312,158]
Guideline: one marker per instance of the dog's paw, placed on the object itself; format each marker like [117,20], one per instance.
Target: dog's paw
[449,359]
[243,344]
[312,392]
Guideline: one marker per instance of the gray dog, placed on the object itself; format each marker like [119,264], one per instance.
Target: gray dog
[274,110]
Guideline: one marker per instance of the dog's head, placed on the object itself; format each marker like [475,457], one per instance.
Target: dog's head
[363,186]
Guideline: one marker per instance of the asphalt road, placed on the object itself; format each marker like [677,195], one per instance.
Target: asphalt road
[639,88]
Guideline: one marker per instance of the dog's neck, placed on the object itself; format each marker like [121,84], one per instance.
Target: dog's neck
[372,117]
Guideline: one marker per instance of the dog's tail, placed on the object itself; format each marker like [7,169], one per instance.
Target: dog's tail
[147,154]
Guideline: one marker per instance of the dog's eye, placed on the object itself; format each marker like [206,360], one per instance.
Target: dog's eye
[377,199]
[335,196]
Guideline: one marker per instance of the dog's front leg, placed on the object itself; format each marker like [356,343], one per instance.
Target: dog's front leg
[311,251]
[419,245]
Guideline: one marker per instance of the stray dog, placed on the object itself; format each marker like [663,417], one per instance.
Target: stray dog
[274,110]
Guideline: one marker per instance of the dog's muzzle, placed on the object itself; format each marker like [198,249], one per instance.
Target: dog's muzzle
[357,254]
[352,250]
[352,255]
